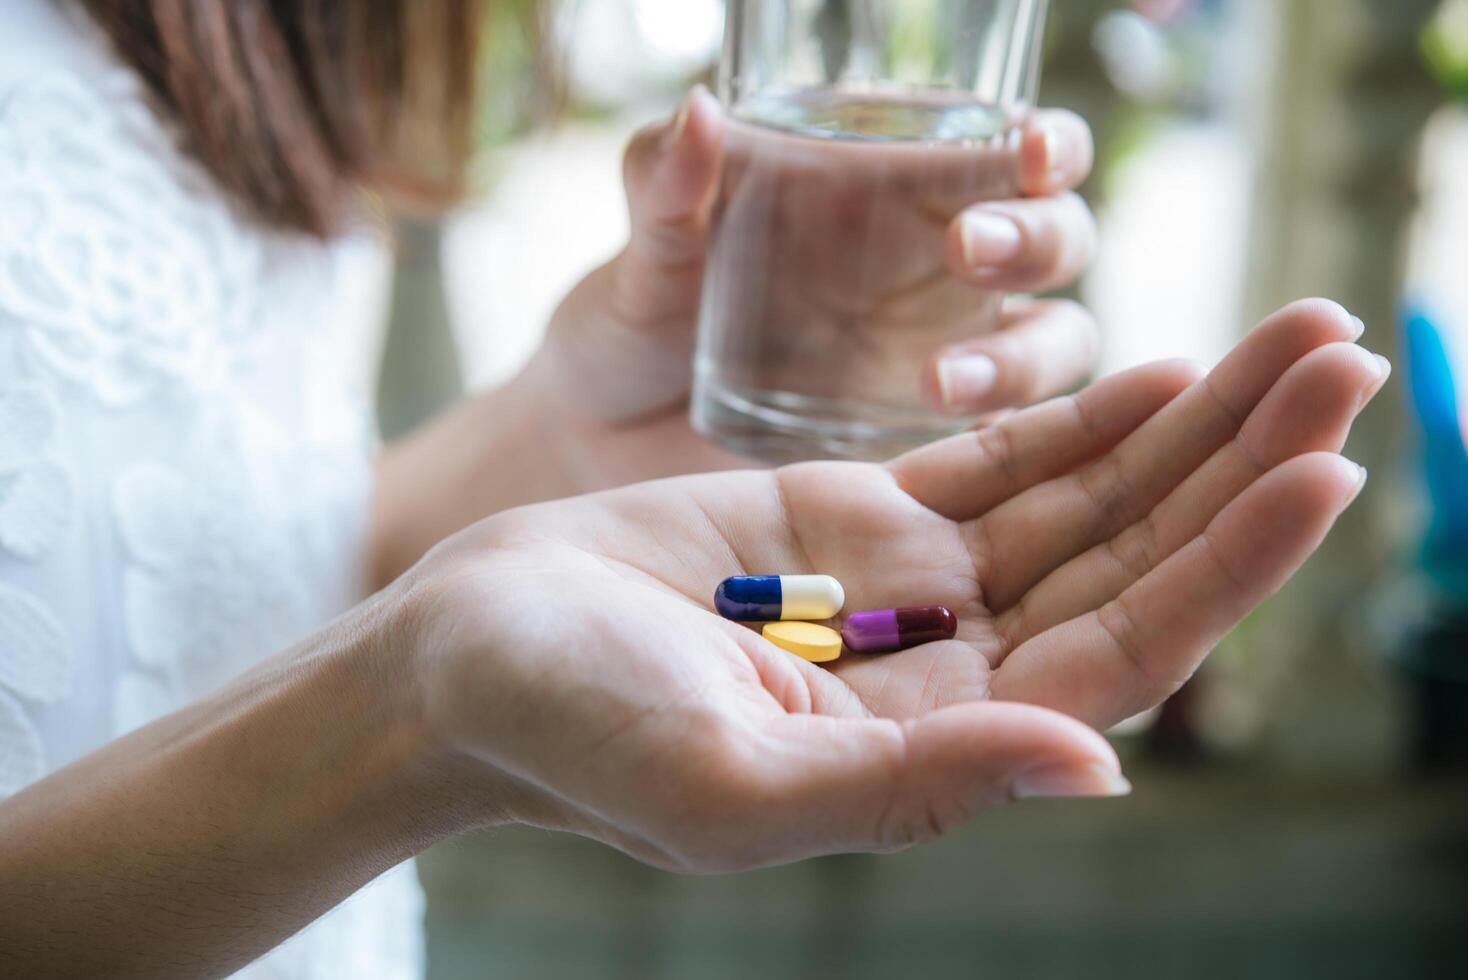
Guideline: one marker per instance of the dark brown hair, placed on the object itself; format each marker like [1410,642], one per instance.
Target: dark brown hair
[293,104]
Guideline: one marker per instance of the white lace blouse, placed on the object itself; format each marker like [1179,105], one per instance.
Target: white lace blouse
[184,466]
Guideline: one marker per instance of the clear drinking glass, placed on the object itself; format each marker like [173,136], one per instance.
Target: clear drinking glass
[857,130]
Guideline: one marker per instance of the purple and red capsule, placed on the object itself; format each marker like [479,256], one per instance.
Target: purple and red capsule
[891,630]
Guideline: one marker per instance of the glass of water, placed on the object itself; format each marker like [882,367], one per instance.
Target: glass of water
[857,130]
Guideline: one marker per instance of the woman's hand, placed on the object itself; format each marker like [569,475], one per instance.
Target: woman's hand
[558,665]
[604,402]
[616,364]
[1094,548]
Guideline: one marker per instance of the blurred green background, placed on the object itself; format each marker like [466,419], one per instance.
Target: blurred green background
[1301,809]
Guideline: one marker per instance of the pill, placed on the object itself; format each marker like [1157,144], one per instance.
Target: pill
[768,598]
[889,630]
[818,644]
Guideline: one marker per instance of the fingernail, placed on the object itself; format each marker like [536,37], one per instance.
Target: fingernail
[698,94]
[1054,167]
[680,122]
[990,239]
[1365,476]
[1092,780]
[966,380]
[1359,325]
[1386,367]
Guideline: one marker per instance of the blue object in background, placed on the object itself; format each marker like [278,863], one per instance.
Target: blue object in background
[1434,393]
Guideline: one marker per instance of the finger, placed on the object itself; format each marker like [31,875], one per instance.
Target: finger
[1041,349]
[627,330]
[1310,410]
[1031,246]
[1136,651]
[967,475]
[1027,538]
[797,686]
[672,171]
[1023,246]
[829,785]
[1056,153]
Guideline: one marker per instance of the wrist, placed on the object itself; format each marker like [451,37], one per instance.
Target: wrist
[443,640]
[382,680]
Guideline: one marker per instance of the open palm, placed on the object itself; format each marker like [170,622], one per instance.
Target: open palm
[1094,548]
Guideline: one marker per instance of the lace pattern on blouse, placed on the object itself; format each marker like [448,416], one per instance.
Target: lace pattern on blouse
[180,470]
[36,500]
[118,291]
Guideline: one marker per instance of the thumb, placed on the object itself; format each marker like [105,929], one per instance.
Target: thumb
[878,784]
[626,332]
[672,172]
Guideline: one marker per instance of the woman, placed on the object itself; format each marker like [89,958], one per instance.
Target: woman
[189,487]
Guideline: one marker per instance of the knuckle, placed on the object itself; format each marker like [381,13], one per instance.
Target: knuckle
[918,810]
[996,444]
[1087,414]
[1106,486]
[1151,688]
[1135,549]
[1219,556]
[926,820]
[1254,456]
[1229,414]
[898,833]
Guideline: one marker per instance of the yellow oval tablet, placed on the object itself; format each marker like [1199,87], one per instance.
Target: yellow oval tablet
[818,644]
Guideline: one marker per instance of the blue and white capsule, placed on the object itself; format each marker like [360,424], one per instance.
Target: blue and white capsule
[771,598]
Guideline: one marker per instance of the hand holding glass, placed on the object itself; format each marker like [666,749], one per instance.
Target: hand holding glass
[858,130]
